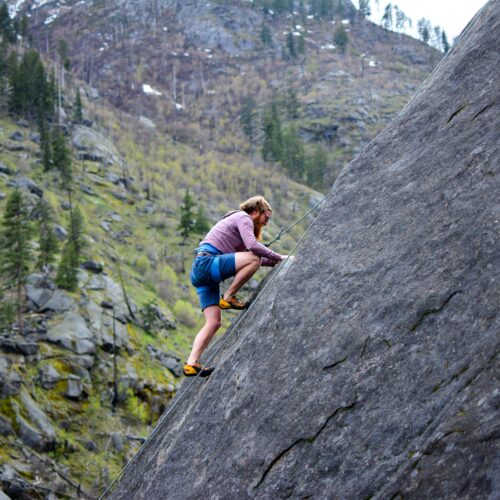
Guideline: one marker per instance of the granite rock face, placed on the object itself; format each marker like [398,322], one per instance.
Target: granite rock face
[368,368]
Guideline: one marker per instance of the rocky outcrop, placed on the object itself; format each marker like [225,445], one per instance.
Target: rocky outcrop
[367,367]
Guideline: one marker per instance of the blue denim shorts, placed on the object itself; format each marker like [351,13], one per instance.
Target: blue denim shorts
[208,271]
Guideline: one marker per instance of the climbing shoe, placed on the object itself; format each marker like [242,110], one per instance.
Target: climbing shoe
[197,368]
[232,303]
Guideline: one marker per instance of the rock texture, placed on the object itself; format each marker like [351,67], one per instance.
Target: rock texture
[367,369]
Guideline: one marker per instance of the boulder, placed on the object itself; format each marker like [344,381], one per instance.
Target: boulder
[61,233]
[49,376]
[5,428]
[45,299]
[368,367]
[6,170]
[17,136]
[10,380]
[75,388]
[92,146]
[27,185]
[71,332]
[36,431]
[93,266]
[18,345]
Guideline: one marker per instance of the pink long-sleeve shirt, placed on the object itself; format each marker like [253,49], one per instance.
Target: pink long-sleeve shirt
[234,233]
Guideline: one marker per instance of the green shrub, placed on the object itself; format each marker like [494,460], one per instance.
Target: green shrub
[185,313]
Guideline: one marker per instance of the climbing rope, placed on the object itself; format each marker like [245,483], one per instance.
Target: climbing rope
[221,344]
[284,231]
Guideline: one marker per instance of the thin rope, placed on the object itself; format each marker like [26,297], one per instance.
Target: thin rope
[284,231]
[219,348]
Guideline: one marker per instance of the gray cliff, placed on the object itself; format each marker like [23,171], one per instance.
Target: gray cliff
[368,368]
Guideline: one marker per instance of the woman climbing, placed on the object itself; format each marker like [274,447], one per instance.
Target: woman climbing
[231,248]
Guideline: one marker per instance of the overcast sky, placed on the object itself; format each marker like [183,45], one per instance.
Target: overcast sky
[450,15]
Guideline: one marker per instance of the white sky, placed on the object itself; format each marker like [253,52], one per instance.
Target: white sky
[450,15]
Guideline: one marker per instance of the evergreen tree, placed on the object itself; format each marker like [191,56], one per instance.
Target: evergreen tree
[301,45]
[292,104]
[29,90]
[6,27]
[340,38]
[187,220]
[201,224]
[67,273]
[290,45]
[63,54]
[76,230]
[364,8]
[387,19]
[48,244]
[247,118]
[401,19]
[15,247]
[293,156]
[316,168]
[45,146]
[424,29]
[78,114]
[61,159]
[266,35]
[444,42]
[271,126]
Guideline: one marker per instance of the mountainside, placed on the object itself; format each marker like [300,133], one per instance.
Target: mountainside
[368,368]
[189,65]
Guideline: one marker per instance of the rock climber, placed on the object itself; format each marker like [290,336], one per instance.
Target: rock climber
[231,248]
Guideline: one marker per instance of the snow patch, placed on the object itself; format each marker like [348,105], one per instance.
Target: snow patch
[328,46]
[148,90]
[345,21]
[372,64]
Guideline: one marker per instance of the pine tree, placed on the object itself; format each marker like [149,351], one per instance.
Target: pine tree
[316,168]
[292,104]
[201,224]
[424,29]
[444,42]
[364,8]
[266,35]
[290,45]
[45,146]
[78,115]
[187,220]
[247,118]
[48,244]
[61,159]
[387,20]
[293,156]
[67,273]
[340,38]
[271,126]
[15,247]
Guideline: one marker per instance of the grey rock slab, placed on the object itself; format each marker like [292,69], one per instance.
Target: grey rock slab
[59,301]
[37,416]
[72,332]
[49,376]
[369,367]
[94,146]
[5,427]
[60,233]
[28,185]
[75,388]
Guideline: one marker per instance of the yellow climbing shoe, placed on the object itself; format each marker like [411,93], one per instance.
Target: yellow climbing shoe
[232,303]
[196,368]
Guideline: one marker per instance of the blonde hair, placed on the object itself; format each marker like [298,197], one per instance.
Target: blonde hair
[256,204]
